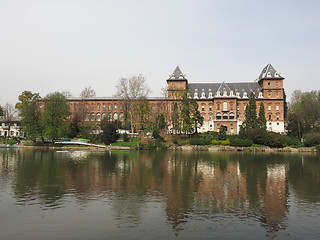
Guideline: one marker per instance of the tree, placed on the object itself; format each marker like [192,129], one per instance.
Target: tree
[176,119]
[262,122]
[67,94]
[8,115]
[88,92]
[109,132]
[1,111]
[30,114]
[222,133]
[129,91]
[54,116]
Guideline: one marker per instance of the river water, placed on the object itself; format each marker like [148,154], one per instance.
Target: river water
[46,194]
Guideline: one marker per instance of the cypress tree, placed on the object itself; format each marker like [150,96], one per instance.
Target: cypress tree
[262,118]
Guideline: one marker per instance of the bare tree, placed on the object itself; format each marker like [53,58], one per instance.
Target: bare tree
[67,94]
[88,92]
[8,115]
[130,91]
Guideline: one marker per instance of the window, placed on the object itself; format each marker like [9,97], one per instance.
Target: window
[210,108]
[218,106]
[87,117]
[277,94]
[115,107]
[152,108]
[109,107]
[164,108]
[231,106]
[98,107]
[109,116]
[218,116]
[269,117]
[269,93]
[277,117]
[277,107]
[225,116]
[231,124]
[121,116]
[231,116]
[104,107]
[225,106]
[92,107]
[159,108]
[115,116]
[268,83]
[103,116]
[202,108]
[98,117]
[218,125]
[269,107]
[92,118]
[87,107]
[277,83]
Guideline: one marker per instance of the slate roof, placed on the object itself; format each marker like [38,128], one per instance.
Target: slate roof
[177,75]
[269,72]
[241,88]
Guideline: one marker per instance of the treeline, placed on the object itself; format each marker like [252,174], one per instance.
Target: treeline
[303,119]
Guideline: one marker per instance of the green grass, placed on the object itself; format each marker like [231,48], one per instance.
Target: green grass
[134,141]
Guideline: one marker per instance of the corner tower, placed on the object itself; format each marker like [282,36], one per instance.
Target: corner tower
[177,84]
[271,83]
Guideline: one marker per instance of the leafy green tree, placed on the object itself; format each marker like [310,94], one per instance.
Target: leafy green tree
[1,111]
[262,122]
[109,132]
[222,133]
[30,114]
[54,116]
[176,119]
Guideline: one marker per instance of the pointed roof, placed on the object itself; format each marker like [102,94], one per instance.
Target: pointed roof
[177,75]
[269,72]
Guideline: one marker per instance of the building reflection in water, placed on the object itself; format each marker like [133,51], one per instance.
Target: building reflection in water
[190,185]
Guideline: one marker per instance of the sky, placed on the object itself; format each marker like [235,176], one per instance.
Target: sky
[48,46]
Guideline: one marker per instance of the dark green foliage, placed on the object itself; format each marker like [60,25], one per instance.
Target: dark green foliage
[311,139]
[109,132]
[200,141]
[238,142]
[293,142]
[1,111]
[176,119]
[251,121]
[174,140]
[262,122]
[55,115]
[257,135]
[285,105]
[222,133]
[30,114]
[275,140]
[125,137]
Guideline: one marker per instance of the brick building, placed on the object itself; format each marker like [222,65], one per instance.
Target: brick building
[219,103]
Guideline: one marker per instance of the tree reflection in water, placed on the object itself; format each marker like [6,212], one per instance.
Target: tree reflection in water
[191,185]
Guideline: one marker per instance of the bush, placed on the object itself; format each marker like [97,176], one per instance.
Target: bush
[11,141]
[258,136]
[125,137]
[199,141]
[237,142]
[275,140]
[311,139]
[220,142]
[293,142]
[174,140]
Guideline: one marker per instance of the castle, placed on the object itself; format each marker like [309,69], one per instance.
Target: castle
[219,103]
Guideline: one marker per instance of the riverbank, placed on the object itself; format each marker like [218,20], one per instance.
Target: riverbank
[180,148]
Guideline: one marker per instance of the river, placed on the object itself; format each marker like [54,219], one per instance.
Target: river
[48,194]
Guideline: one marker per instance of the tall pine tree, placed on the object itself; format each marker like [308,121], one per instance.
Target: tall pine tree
[262,122]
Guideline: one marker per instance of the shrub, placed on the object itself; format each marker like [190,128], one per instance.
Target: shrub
[237,142]
[199,141]
[293,142]
[125,137]
[311,139]
[275,140]
[174,140]
[220,142]
[258,136]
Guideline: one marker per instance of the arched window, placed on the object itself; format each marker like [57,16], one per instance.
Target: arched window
[98,117]
[218,116]
[225,116]
[115,116]
[225,106]
[110,116]
[121,116]
[104,116]
[231,116]
[87,117]
[92,117]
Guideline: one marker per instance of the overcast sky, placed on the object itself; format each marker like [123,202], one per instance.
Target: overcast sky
[48,46]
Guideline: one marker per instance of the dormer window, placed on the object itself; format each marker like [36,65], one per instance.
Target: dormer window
[238,94]
[210,94]
[260,95]
[231,93]
[269,75]
[224,93]
[218,94]
[276,74]
[245,95]
[203,95]
[195,95]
